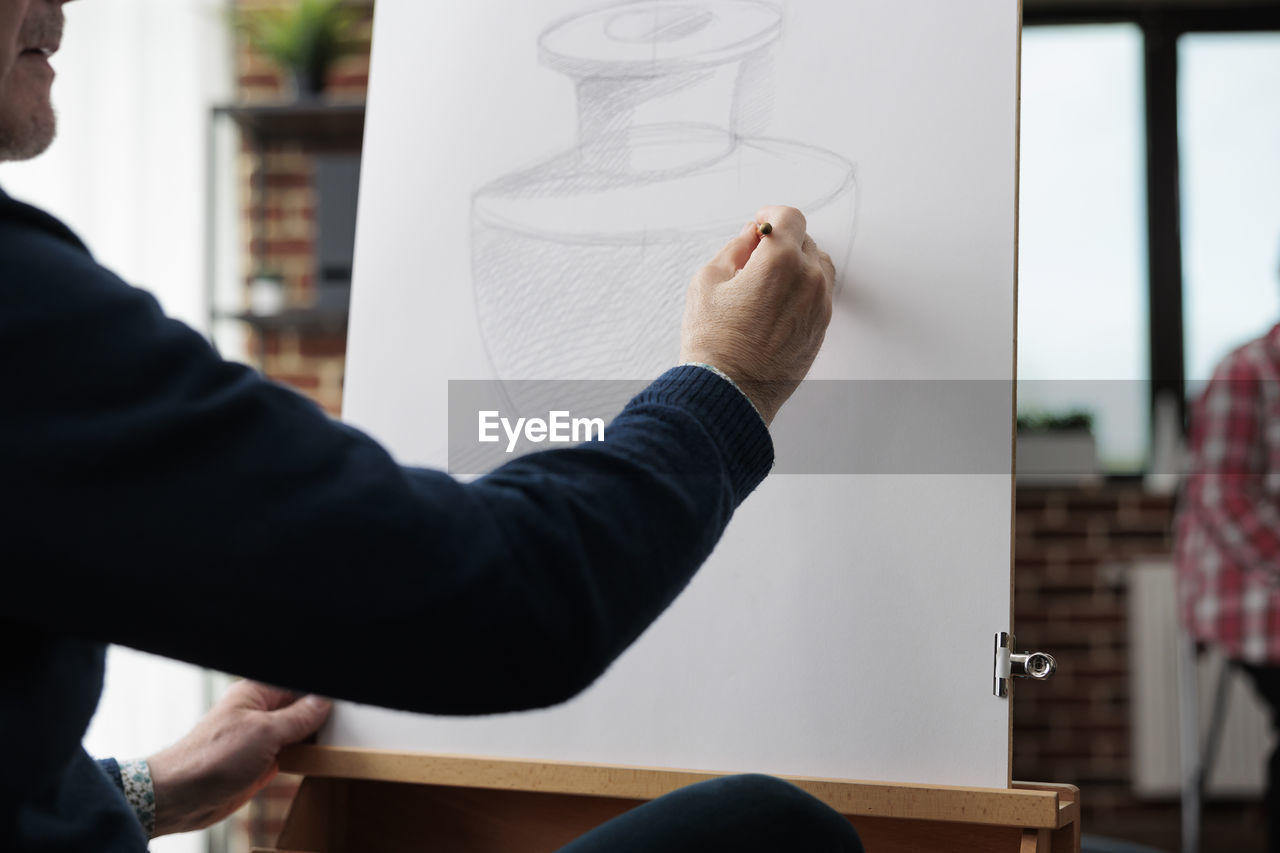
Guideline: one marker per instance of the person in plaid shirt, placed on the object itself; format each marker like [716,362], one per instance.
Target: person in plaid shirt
[1228,528]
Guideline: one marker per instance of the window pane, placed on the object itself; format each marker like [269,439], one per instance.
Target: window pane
[1082,272]
[1229,140]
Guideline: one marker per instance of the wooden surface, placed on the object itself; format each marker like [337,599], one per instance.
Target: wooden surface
[383,802]
[343,816]
[391,816]
[1035,806]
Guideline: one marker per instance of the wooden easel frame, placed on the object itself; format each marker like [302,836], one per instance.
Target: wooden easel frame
[386,802]
[368,800]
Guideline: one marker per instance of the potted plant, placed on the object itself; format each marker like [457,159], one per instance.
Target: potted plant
[304,37]
[1056,449]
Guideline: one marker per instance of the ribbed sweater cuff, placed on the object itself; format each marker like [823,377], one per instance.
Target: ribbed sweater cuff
[725,413]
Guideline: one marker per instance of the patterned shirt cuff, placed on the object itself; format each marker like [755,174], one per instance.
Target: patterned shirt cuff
[718,372]
[140,792]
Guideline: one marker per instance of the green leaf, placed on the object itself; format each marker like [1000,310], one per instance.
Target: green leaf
[304,34]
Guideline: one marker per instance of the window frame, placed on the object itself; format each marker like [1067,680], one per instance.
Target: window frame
[1161,27]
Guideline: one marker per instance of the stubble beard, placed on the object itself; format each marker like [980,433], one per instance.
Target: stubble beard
[23,137]
[27,129]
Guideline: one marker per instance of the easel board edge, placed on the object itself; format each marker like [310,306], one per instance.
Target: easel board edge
[1038,806]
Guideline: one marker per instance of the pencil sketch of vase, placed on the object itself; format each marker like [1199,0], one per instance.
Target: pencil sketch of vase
[580,263]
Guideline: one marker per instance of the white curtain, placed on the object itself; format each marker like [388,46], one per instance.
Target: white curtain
[136,80]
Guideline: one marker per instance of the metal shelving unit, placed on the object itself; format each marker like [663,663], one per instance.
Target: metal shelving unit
[322,126]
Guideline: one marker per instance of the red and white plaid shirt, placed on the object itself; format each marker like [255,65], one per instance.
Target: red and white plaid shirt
[1228,527]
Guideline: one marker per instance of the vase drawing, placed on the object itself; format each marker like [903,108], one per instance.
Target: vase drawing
[580,263]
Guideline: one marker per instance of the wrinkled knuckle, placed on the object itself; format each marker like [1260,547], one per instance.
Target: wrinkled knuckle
[791,259]
[815,278]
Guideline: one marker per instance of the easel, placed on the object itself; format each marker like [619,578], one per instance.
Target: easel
[386,802]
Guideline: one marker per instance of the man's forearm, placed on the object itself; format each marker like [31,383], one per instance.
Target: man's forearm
[513,591]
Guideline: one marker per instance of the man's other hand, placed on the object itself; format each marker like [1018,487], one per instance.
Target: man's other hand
[230,754]
[759,309]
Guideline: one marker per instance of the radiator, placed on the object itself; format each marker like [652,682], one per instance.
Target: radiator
[1239,770]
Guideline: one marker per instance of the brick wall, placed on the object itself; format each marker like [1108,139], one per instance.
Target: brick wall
[1072,549]
[311,362]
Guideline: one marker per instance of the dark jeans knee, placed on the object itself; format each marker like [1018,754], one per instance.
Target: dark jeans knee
[788,813]
[745,814]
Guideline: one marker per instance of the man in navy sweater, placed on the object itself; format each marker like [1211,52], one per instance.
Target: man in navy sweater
[150,490]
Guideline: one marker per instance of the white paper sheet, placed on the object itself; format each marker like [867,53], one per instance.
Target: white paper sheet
[532,206]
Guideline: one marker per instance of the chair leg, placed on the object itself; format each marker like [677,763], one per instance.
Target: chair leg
[1217,722]
[1189,726]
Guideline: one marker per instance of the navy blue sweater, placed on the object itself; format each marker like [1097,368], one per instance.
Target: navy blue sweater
[154,495]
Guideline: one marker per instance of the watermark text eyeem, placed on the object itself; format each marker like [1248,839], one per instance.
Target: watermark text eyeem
[559,427]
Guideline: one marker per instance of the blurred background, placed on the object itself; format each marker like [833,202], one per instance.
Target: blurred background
[209,153]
